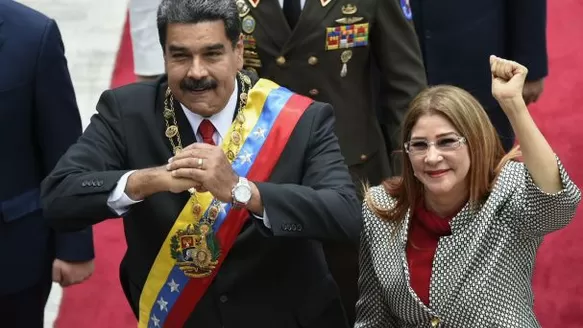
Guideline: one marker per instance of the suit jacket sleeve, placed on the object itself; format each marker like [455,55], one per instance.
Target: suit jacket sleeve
[58,126]
[74,195]
[398,55]
[325,205]
[527,24]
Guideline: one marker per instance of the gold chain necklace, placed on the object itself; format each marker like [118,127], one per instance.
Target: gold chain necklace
[233,144]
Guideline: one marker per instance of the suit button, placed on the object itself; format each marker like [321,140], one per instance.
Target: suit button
[363,157]
[314,92]
[313,60]
[223,299]
[280,60]
[427,34]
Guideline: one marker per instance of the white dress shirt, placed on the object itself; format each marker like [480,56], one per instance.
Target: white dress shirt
[119,202]
[302,3]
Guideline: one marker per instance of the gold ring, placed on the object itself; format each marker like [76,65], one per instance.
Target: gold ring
[200,162]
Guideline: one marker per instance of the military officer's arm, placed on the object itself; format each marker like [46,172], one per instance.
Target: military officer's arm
[398,55]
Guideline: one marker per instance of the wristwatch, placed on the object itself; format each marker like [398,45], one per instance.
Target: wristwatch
[241,193]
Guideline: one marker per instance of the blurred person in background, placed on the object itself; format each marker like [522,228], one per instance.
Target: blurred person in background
[148,58]
[39,120]
[457,36]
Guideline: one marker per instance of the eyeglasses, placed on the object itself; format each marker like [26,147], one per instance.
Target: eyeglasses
[420,147]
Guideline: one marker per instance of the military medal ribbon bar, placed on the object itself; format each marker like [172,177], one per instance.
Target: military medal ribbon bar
[196,245]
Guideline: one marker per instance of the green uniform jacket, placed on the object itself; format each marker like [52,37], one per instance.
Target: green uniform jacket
[309,60]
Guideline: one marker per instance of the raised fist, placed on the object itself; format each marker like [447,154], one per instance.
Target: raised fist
[507,78]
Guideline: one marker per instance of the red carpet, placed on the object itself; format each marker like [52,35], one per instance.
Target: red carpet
[558,281]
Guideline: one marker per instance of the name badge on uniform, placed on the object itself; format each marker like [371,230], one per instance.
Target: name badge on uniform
[347,36]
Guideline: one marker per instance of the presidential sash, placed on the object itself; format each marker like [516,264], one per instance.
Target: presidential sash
[193,251]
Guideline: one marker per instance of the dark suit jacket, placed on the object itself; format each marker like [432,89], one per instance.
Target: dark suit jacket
[39,120]
[457,37]
[311,70]
[274,278]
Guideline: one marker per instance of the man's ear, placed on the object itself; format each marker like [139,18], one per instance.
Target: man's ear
[239,50]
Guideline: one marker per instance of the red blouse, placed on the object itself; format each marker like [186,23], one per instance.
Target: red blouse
[425,230]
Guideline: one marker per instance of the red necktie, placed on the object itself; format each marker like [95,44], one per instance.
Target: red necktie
[206,129]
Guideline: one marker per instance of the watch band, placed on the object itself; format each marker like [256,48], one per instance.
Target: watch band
[242,183]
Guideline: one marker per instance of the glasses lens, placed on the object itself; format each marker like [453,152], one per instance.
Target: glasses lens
[448,143]
[418,146]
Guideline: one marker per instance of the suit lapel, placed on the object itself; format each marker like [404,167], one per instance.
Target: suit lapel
[313,14]
[273,21]
[403,235]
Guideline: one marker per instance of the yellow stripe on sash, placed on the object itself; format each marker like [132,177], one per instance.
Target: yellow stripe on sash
[164,262]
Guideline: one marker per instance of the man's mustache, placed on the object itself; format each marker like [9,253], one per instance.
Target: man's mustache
[197,85]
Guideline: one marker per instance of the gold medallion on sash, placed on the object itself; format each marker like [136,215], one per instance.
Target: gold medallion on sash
[195,248]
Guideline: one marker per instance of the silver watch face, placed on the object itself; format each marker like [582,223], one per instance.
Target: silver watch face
[242,194]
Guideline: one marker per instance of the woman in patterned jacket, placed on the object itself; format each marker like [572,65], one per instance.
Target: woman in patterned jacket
[452,242]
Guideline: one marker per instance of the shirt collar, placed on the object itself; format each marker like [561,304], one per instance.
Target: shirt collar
[221,120]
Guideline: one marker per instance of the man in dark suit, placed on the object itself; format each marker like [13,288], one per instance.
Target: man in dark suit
[457,37]
[39,120]
[269,220]
[324,49]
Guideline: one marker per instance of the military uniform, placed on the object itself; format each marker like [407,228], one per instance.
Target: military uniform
[327,56]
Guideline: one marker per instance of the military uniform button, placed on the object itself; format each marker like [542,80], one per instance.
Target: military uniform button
[223,299]
[363,157]
[313,60]
[314,92]
[280,60]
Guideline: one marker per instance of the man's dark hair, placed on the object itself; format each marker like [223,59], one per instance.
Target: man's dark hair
[197,11]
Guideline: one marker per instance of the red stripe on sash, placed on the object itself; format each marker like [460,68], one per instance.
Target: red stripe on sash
[260,171]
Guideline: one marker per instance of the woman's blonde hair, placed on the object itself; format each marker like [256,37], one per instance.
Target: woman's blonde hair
[465,113]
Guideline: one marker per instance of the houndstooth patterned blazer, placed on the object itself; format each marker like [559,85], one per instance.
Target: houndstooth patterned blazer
[481,274]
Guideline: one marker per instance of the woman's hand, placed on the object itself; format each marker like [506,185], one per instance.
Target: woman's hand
[507,80]
[507,84]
